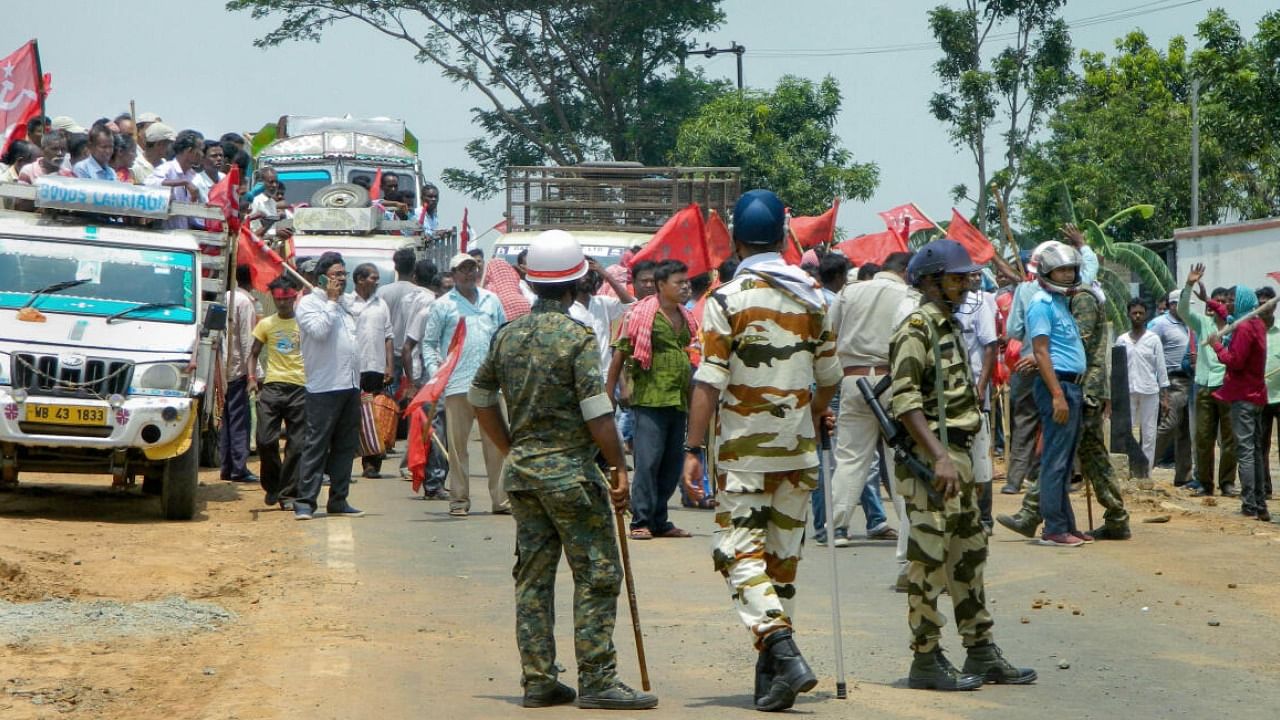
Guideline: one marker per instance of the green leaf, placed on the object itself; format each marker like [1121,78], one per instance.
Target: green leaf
[1146,211]
[1116,289]
[1149,266]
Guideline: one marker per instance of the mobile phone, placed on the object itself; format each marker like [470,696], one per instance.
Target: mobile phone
[322,282]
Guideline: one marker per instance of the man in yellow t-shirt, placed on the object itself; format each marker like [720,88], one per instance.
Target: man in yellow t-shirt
[282,393]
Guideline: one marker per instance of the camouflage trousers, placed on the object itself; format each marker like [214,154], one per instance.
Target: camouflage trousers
[761,521]
[947,547]
[579,521]
[1095,466]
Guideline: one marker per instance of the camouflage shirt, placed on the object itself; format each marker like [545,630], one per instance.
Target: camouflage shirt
[765,349]
[547,366]
[914,370]
[1092,323]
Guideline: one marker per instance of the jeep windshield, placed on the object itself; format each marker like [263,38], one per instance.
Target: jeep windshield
[115,279]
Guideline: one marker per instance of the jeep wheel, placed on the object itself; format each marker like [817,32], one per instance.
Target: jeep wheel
[340,195]
[210,444]
[181,477]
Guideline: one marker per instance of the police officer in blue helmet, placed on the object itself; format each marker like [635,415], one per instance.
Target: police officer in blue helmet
[759,222]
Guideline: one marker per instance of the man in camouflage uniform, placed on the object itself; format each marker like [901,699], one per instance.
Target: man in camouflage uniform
[548,368]
[947,546]
[1095,461]
[766,342]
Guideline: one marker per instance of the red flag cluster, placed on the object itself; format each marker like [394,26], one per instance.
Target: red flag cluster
[683,238]
[873,248]
[963,232]
[905,219]
[23,94]
[813,231]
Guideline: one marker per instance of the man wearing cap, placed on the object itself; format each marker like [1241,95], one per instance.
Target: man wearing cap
[767,341]
[935,398]
[1175,424]
[547,366]
[157,138]
[482,313]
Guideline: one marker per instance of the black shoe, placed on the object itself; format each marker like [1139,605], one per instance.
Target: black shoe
[792,674]
[372,473]
[1018,524]
[1248,512]
[764,675]
[559,694]
[616,696]
[345,510]
[988,663]
[1112,532]
[932,671]
[1264,516]
[271,498]
[248,478]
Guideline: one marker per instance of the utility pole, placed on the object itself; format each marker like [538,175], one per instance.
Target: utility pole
[1195,152]
[734,47]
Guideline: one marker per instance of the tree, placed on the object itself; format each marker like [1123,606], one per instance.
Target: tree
[784,140]
[1124,138]
[565,80]
[1135,258]
[1014,90]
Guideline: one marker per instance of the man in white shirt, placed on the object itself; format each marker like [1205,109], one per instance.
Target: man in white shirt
[601,313]
[1148,377]
[234,433]
[977,321]
[157,138]
[864,317]
[332,361]
[210,169]
[374,339]
[179,174]
[400,298]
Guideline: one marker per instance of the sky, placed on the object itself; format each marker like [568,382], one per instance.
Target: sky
[200,70]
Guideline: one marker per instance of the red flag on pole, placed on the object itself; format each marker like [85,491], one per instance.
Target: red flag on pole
[375,190]
[20,93]
[264,264]
[225,194]
[681,238]
[906,219]
[419,430]
[963,232]
[873,248]
[464,234]
[812,231]
[719,242]
[1274,275]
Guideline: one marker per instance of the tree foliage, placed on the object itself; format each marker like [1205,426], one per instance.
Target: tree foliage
[783,140]
[1008,91]
[565,80]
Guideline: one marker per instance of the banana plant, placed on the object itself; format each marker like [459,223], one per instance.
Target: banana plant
[1134,257]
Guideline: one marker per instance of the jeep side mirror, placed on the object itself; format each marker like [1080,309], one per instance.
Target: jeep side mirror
[215,319]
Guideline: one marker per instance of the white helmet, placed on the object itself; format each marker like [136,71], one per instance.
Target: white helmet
[554,257]
[1053,255]
[1034,260]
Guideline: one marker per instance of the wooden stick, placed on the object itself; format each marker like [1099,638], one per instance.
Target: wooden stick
[1088,500]
[1268,305]
[631,597]
[133,113]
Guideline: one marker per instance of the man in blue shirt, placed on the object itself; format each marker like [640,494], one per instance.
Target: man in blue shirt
[1060,360]
[98,165]
[482,313]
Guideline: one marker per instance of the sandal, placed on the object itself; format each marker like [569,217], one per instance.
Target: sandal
[676,532]
[641,534]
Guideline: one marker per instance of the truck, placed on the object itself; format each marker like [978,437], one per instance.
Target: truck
[610,207]
[111,330]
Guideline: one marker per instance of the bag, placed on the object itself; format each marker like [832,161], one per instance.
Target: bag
[386,415]
[370,439]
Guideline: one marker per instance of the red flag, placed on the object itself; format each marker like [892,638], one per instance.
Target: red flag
[20,93]
[906,219]
[681,238]
[420,438]
[225,194]
[872,248]
[501,226]
[811,231]
[264,264]
[1274,275]
[963,232]
[375,190]
[719,243]
[464,234]
[791,251]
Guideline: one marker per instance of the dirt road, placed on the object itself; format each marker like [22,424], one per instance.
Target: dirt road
[406,612]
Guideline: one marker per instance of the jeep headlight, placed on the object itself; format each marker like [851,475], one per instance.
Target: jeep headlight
[162,377]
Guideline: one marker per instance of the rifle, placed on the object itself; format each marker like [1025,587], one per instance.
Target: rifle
[897,437]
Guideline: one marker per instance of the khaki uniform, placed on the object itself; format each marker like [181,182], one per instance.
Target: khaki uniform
[764,348]
[947,546]
[547,366]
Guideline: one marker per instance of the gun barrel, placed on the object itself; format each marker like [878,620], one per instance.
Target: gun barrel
[869,396]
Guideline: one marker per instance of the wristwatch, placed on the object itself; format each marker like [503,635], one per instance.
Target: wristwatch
[694,449]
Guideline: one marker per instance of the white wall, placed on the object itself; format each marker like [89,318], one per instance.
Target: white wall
[1242,256]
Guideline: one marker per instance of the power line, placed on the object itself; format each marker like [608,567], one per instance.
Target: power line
[1147,8]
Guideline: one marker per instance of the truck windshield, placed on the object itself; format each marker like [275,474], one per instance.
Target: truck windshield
[300,185]
[115,279]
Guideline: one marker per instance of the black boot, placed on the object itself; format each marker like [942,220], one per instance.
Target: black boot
[988,663]
[764,675]
[932,671]
[792,674]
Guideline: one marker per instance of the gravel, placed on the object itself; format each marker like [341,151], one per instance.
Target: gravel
[69,621]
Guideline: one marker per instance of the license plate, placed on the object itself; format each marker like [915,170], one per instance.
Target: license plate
[66,415]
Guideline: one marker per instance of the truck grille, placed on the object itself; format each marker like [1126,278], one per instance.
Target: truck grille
[49,375]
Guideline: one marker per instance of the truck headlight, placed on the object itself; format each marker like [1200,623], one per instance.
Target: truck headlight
[163,377]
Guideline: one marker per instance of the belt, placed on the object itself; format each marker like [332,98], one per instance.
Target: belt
[1073,378]
[864,370]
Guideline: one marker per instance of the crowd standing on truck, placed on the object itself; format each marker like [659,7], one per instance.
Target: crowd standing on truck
[725,373]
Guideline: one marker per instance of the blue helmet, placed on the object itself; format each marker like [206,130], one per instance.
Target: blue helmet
[759,218]
[940,256]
